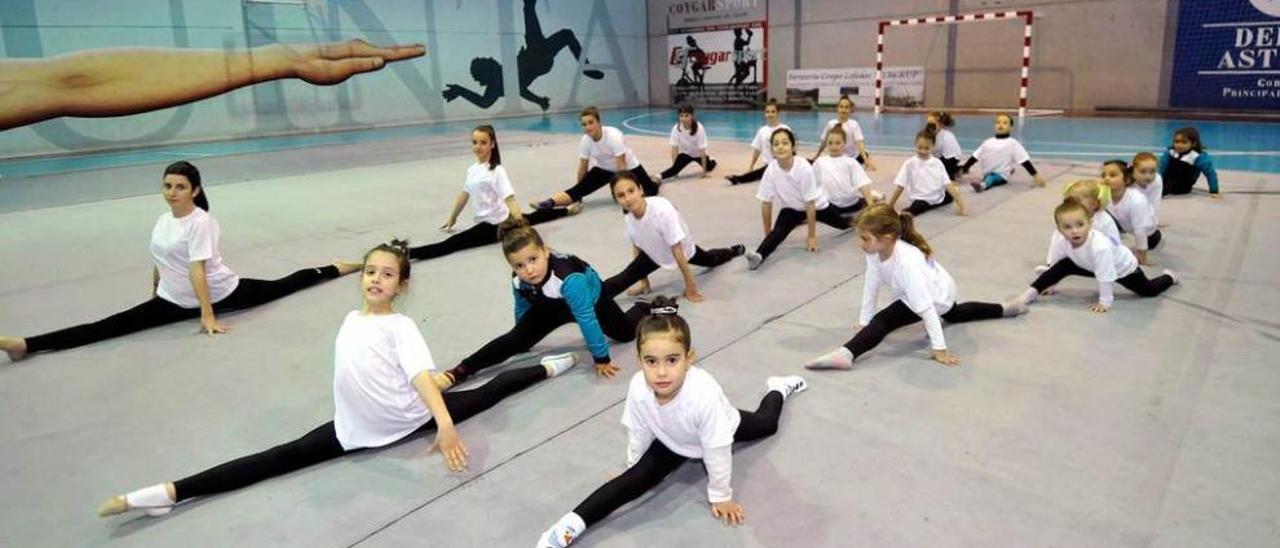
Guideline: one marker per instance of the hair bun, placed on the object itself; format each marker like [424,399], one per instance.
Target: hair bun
[664,306]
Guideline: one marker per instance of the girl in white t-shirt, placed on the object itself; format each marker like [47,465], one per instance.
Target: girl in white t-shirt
[1083,251]
[945,145]
[900,258]
[924,178]
[855,142]
[674,412]
[1146,174]
[492,199]
[790,182]
[760,145]
[188,280]
[601,153]
[688,145]
[998,156]
[382,393]
[1130,208]
[660,238]
[844,182]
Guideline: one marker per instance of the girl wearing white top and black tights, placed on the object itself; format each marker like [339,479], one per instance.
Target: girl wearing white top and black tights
[925,180]
[660,237]
[790,181]
[998,156]
[1130,209]
[761,147]
[188,280]
[946,147]
[899,257]
[1083,251]
[601,153]
[674,412]
[855,143]
[492,199]
[845,184]
[382,393]
[688,145]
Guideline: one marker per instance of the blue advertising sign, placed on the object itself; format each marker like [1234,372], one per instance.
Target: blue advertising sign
[1227,55]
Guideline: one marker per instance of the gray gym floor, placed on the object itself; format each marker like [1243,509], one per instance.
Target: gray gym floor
[1156,424]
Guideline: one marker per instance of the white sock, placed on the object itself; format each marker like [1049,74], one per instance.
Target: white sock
[558,363]
[1029,296]
[154,498]
[840,358]
[563,532]
[1015,307]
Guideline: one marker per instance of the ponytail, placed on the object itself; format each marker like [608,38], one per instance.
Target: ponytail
[911,235]
[515,234]
[495,156]
[882,220]
[664,319]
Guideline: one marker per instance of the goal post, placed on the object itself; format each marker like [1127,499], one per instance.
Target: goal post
[1025,15]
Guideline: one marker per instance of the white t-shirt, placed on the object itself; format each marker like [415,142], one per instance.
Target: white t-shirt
[661,227]
[1101,222]
[1106,259]
[1000,156]
[762,142]
[923,179]
[375,359]
[840,179]
[1154,193]
[791,189]
[918,281]
[175,244]
[489,190]
[692,145]
[698,423]
[852,134]
[945,145]
[1134,215]
[603,153]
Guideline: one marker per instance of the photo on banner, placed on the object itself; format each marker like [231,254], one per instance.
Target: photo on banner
[813,88]
[716,53]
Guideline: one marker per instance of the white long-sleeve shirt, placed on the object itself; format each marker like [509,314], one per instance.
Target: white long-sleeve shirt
[1135,215]
[1105,258]
[918,281]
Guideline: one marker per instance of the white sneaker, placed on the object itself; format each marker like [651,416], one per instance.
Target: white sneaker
[791,384]
[1172,275]
[753,260]
[557,364]
[562,533]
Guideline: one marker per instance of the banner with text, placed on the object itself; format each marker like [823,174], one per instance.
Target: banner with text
[1227,55]
[903,86]
[715,52]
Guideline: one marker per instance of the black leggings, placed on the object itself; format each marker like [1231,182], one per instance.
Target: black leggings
[788,219]
[598,177]
[659,461]
[899,315]
[1154,239]
[683,160]
[953,167]
[322,444]
[157,311]
[920,206]
[642,266]
[538,322]
[751,176]
[1136,282]
[480,234]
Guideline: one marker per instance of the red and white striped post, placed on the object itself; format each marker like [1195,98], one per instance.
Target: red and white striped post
[951,19]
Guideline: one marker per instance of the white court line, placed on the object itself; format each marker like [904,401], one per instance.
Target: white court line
[194,154]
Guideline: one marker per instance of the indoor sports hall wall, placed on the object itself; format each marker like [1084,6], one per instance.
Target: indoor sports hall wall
[485,58]
[1086,53]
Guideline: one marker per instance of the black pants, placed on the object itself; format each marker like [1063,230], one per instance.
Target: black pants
[642,266]
[751,176]
[920,206]
[658,462]
[683,160]
[322,444]
[598,177]
[539,322]
[1154,239]
[788,219]
[1179,177]
[953,167]
[899,315]
[480,234]
[1136,282]
[157,311]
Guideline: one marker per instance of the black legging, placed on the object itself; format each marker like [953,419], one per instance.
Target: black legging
[899,315]
[659,461]
[538,322]
[479,234]
[953,167]
[598,177]
[920,206]
[751,176]
[157,311]
[1136,282]
[322,444]
[788,219]
[642,266]
[1154,239]
[682,160]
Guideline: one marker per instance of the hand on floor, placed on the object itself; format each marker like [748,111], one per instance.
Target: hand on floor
[729,512]
[945,358]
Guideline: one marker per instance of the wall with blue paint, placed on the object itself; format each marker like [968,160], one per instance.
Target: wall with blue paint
[610,32]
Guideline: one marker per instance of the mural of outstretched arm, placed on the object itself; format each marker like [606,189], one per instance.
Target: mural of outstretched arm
[122,81]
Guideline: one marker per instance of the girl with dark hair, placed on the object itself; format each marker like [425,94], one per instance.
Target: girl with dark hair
[1184,161]
[188,280]
[855,144]
[945,145]
[688,145]
[601,153]
[493,201]
[760,145]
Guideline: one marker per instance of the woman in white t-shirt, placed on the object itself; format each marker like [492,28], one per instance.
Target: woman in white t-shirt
[855,143]
[492,199]
[998,156]
[924,178]
[660,238]
[688,145]
[382,393]
[760,145]
[899,257]
[188,280]
[675,412]
[601,153]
